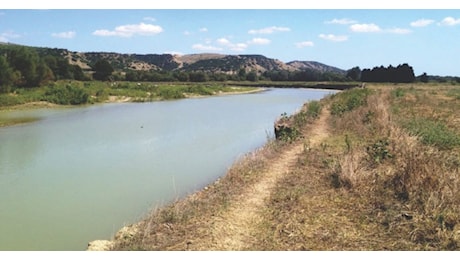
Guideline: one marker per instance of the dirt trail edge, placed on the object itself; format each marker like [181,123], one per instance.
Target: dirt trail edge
[232,230]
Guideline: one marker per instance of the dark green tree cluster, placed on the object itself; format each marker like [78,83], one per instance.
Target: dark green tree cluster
[400,74]
[425,78]
[304,75]
[186,76]
[102,70]
[23,67]
[354,74]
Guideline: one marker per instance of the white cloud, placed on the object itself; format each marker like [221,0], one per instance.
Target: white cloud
[150,19]
[269,30]
[304,44]
[187,33]
[334,38]
[421,23]
[399,31]
[239,47]
[7,36]
[131,30]
[232,46]
[259,41]
[65,35]
[223,41]
[449,21]
[204,29]
[341,21]
[202,47]
[365,27]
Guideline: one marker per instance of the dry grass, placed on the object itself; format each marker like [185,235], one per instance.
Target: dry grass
[356,180]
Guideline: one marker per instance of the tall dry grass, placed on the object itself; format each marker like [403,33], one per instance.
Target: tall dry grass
[372,185]
[412,186]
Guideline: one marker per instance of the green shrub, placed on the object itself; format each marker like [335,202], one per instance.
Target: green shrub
[313,109]
[9,100]
[66,95]
[169,92]
[455,93]
[433,133]
[398,92]
[200,90]
[348,100]
[379,151]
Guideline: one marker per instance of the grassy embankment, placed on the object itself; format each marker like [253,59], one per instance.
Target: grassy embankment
[65,93]
[385,178]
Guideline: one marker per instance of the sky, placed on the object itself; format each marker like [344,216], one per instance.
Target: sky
[345,36]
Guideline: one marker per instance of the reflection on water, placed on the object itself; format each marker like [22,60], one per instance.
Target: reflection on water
[80,174]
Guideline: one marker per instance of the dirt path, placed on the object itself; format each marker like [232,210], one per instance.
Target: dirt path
[232,230]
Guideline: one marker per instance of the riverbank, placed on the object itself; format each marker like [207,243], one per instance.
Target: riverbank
[376,169]
[220,91]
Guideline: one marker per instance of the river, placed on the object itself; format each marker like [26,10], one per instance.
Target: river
[80,174]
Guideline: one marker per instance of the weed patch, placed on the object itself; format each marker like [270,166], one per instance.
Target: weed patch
[433,133]
[348,100]
[66,95]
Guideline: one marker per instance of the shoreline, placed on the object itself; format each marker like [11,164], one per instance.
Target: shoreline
[5,122]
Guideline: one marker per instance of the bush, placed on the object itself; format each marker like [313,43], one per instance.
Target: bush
[313,109]
[348,100]
[399,92]
[170,93]
[433,133]
[379,151]
[200,90]
[9,100]
[66,95]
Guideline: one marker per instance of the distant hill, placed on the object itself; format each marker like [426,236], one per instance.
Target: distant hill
[314,65]
[208,62]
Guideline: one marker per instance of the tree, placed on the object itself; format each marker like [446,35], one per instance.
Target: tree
[77,72]
[252,76]
[424,77]
[25,61]
[44,74]
[401,74]
[181,76]
[6,75]
[242,74]
[102,70]
[354,73]
[198,76]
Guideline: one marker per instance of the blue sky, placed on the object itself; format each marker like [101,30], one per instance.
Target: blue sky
[426,38]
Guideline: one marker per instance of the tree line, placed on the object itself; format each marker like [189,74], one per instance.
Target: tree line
[241,75]
[23,67]
[27,67]
[403,73]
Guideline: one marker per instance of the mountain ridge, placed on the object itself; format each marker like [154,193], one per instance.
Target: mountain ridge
[209,62]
